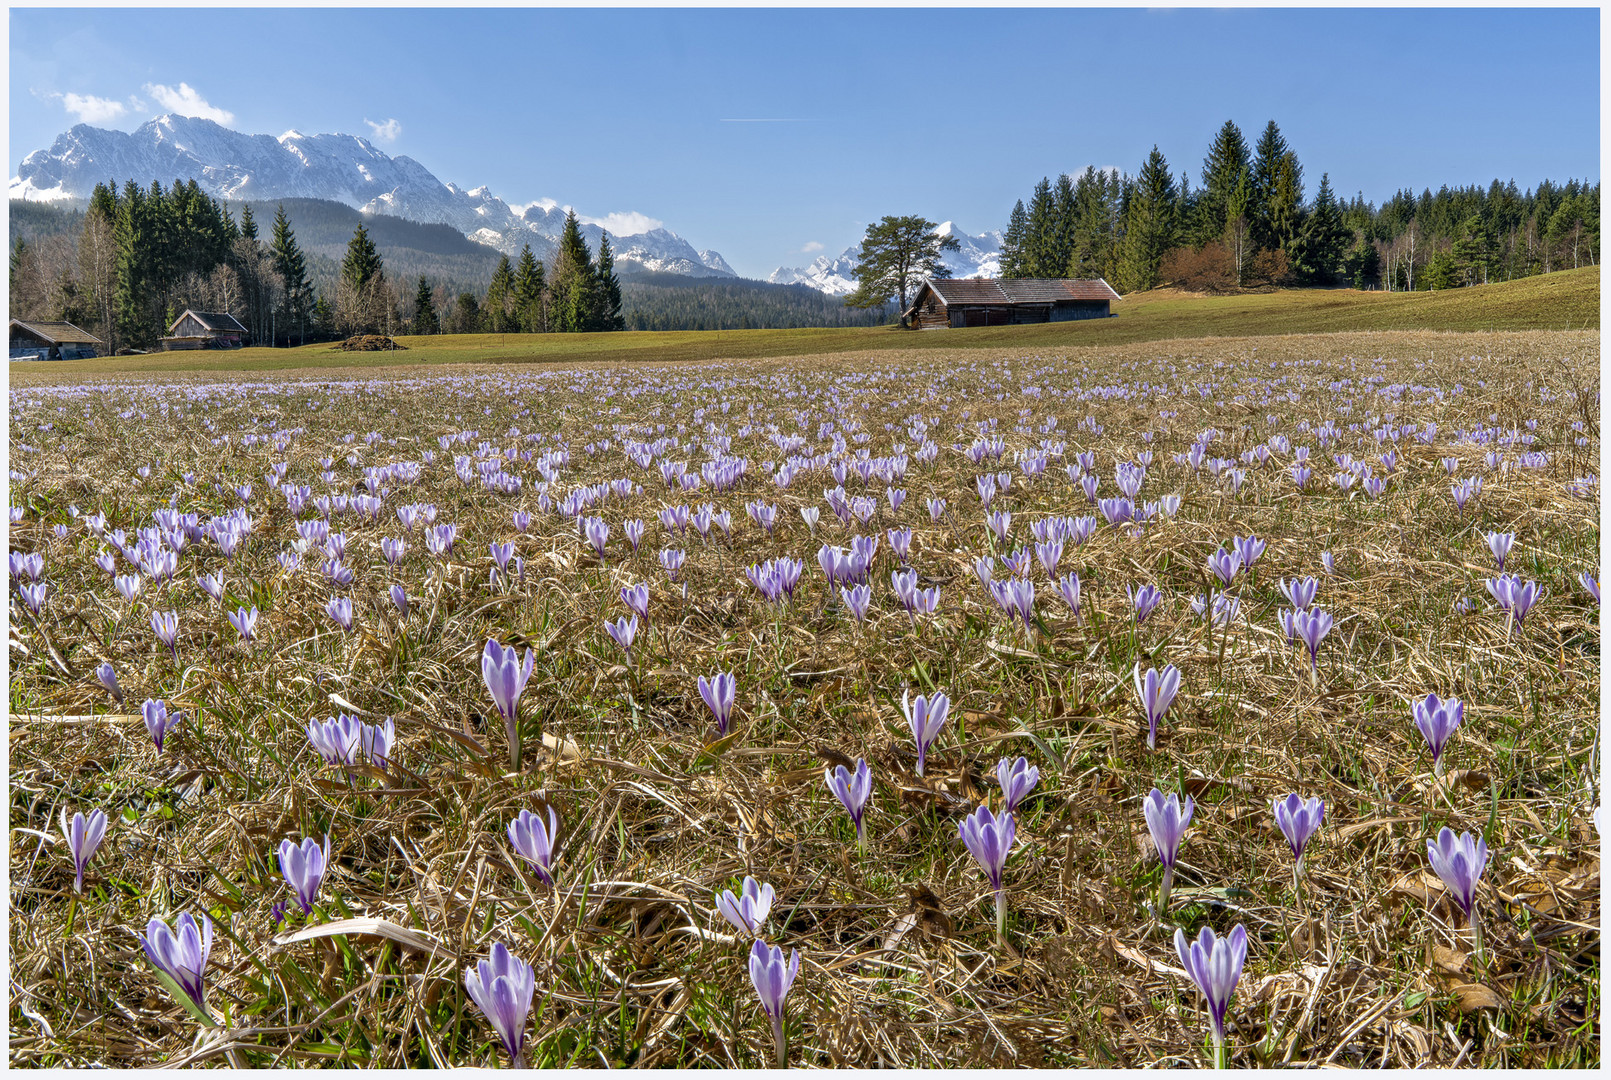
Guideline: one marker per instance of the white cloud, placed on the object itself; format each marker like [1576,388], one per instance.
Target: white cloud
[814,245]
[541,204]
[187,102]
[91,109]
[385,132]
[628,224]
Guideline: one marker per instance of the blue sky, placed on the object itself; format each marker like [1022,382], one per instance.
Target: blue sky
[953,114]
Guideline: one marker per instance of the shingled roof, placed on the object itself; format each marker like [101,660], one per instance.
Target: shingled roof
[218,321]
[57,333]
[969,291]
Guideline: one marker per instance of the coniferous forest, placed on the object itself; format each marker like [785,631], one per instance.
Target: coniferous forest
[1252,220]
[128,263]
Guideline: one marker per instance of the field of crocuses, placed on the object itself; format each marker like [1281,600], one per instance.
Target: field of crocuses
[1183,703]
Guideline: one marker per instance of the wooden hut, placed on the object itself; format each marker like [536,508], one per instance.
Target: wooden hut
[956,302]
[32,340]
[204,330]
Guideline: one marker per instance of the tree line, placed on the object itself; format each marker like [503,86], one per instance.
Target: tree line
[141,256]
[1249,223]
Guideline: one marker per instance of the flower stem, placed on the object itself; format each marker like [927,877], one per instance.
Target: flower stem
[778,1042]
[1476,936]
[1219,1051]
[1001,916]
[1163,893]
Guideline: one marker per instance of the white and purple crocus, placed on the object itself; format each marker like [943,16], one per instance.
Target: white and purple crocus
[747,910]
[1215,964]
[502,987]
[180,957]
[852,789]
[506,676]
[989,839]
[304,867]
[84,836]
[1156,691]
[1460,861]
[773,978]
[719,694]
[1167,819]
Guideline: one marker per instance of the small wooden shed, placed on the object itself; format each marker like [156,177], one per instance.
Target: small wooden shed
[956,302]
[31,340]
[204,330]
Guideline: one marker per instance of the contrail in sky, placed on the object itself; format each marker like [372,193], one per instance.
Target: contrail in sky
[768,120]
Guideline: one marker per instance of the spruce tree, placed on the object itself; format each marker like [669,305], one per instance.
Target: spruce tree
[571,291]
[292,267]
[362,263]
[134,324]
[1285,208]
[1150,225]
[425,320]
[1012,242]
[1093,226]
[1041,239]
[529,293]
[1316,253]
[248,223]
[1265,171]
[607,292]
[1222,171]
[1061,248]
[497,314]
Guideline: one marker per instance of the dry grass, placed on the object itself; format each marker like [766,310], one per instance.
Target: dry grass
[900,966]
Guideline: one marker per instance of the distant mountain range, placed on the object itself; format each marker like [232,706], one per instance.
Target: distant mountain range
[342,168]
[976,256]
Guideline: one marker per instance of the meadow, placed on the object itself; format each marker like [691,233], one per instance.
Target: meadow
[252,610]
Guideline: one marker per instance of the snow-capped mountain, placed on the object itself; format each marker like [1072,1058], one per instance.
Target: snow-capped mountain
[976,256]
[343,168]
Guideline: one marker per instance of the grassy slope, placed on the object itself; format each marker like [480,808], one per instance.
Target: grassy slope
[1566,300]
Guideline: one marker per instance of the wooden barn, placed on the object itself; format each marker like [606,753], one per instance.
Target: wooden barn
[33,340]
[204,330]
[957,302]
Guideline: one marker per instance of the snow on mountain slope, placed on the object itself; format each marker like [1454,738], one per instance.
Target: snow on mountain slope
[976,256]
[344,168]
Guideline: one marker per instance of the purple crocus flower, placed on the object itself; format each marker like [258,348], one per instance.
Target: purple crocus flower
[83,836]
[624,631]
[340,611]
[1215,965]
[393,549]
[212,585]
[1166,821]
[748,910]
[597,531]
[1310,627]
[502,987]
[925,718]
[636,599]
[181,955]
[988,839]
[852,790]
[244,621]
[1437,720]
[772,979]
[1156,691]
[1515,595]
[1591,583]
[157,720]
[128,586]
[536,842]
[399,597]
[108,679]
[1327,561]
[719,694]
[337,739]
[506,675]
[1225,565]
[1298,819]
[1500,544]
[1069,586]
[304,866]
[1145,600]
[1460,861]
[165,624]
[376,742]
[1249,548]
[858,598]
[1300,592]
[1017,778]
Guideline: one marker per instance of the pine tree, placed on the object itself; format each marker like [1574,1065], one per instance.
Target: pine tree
[1222,171]
[1316,253]
[1040,239]
[1092,238]
[896,255]
[1285,208]
[497,313]
[1266,168]
[248,223]
[362,263]
[607,293]
[574,279]
[1012,242]
[1150,224]
[135,325]
[425,320]
[292,267]
[529,293]
[1060,248]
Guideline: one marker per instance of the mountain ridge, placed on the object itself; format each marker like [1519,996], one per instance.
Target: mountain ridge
[341,168]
